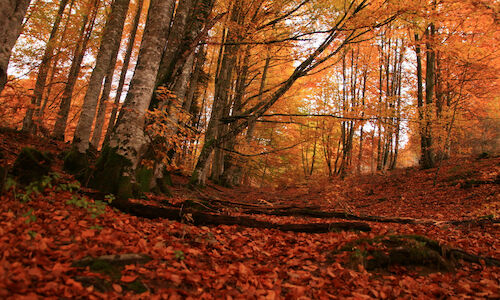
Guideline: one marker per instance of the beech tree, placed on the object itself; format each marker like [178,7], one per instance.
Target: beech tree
[110,38]
[118,162]
[43,70]
[11,18]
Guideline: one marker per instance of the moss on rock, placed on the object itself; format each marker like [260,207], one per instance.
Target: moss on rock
[31,165]
[108,175]
[398,250]
[77,164]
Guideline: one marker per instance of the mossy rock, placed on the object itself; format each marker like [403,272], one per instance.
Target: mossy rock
[111,266]
[77,164]
[383,252]
[108,174]
[31,165]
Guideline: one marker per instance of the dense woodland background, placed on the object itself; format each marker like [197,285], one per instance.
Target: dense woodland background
[290,149]
[260,92]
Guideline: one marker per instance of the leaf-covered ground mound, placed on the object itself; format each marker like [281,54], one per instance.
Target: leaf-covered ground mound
[57,242]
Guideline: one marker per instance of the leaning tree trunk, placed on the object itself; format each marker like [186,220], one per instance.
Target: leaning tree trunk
[115,171]
[111,36]
[175,38]
[43,70]
[11,18]
[55,63]
[123,75]
[74,70]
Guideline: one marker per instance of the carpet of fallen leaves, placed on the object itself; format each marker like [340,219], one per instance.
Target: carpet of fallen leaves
[40,239]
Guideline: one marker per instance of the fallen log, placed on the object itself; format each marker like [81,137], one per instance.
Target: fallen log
[202,218]
[306,212]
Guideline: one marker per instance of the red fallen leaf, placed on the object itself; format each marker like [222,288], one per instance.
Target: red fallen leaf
[74,284]
[176,279]
[58,269]
[35,272]
[128,278]
[88,233]
[117,288]
[30,296]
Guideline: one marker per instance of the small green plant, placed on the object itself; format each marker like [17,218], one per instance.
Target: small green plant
[96,227]
[32,234]
[30,217]
[34,188]
[95,208]
[70,186]
[179,255]
[109,198]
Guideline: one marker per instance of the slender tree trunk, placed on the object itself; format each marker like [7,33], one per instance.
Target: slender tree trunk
[55,63]
[420,97]
[174,40]
[251,124]
[125,66]
[76,62]
[429,161]
[103,99]
[222,93]
[232,165]
[12,13]
[361,136]
[111,36]
[41,79]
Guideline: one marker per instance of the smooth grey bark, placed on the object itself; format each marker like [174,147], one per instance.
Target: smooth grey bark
[76,62]
[222,93]
[123,75]
[128,137]
[43,71]
[175,37]
[103,99]
[180,89]
[194,83]
[111,36]
[12,13]
[195,29]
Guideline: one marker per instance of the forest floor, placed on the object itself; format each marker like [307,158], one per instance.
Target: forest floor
[49,240]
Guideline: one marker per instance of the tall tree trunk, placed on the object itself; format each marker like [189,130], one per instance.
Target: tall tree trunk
[103,99]
[55,63]
[175,37]
[420,97]
[361,133]
[111,36]
[12,13]
[125,66]
[222,93]
[232,164]
[128,140]
[428,151]
[41,79]
[76,62]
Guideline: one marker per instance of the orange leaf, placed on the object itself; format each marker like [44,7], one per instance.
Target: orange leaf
[88,233]
[128,278]
[117,288]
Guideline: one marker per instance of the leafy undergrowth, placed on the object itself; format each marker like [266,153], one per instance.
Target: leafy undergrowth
[44,238]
